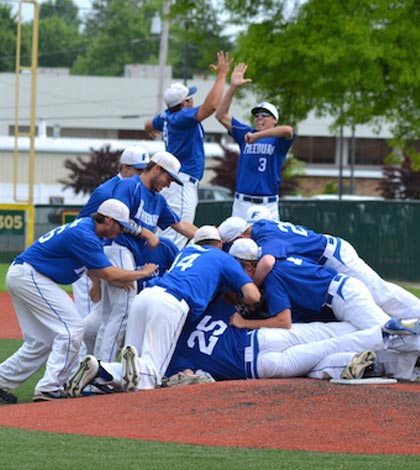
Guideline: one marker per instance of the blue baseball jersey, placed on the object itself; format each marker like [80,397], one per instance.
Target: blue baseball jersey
[211,344]
[282,239]
[199,274]
[148,208]
[67,252]
[184,137]
[163,255]
[260,163]
[99,195]
[297,281]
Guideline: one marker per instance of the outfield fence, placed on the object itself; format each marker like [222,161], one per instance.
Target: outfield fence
[386,234]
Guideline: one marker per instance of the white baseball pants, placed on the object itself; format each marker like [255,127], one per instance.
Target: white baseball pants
[154,324]
[183,200]
[393,299]
[52,331]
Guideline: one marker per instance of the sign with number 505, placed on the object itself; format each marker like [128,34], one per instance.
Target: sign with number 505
[12,222]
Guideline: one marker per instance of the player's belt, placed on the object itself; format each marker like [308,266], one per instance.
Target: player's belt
[333,245]
[335,288]
[187,178]
[256,200]
[250,355]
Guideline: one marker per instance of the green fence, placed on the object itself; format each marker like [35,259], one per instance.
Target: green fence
[385,233]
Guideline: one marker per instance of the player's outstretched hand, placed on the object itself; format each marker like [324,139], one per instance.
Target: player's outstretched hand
[237,78]
[223,63]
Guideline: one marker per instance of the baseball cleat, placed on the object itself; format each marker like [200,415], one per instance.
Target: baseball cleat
[7,398]
[396,326]
[40,395]
[186,379]
[130,369]
[357,366]
[87,371]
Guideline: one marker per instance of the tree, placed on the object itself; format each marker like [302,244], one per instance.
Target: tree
[86,175]
[7,38]
[117,33]
[354,60]
[65,9]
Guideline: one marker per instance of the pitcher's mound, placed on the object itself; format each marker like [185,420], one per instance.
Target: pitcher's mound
[295,414]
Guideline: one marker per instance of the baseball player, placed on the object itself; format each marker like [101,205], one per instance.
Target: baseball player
[263,150]
[162,256]
[320,350]
[199,273]
[133,160]
[211,344]
[282,239]
[298,281]
[183,135]
[51,326]
[149,209]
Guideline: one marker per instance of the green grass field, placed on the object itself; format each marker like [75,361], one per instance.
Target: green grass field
[47,451]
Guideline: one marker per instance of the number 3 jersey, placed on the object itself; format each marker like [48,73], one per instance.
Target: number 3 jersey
[260,163]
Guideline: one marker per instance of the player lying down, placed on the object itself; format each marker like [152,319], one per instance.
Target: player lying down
[317,350]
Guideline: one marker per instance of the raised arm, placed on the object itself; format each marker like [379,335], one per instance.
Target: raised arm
[214,96]
[236,80]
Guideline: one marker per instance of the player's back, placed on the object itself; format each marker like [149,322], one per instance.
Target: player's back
[282,239]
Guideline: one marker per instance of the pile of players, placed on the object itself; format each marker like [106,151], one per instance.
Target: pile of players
[253,298]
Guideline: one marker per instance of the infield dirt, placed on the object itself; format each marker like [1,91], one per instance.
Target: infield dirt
[293,414]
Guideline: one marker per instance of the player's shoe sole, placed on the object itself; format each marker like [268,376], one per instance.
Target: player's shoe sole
[130,369]
[54,395]
[179,379]
[358,365]
[87,371]
[397,326]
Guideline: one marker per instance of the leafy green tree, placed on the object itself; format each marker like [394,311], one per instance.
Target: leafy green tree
[354,60]
[60,42]
[65,9]
[7,38]
[118,33]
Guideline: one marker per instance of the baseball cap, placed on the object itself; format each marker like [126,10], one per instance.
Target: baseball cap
[207,232]
[135,156]
[245,248]
[117,210]
[232,227]
[177,93]
[169,163]
[255,213]
[266,106]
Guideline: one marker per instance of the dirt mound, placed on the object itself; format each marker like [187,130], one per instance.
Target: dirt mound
[294,414]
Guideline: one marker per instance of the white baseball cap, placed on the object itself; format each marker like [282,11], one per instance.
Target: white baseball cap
[177,93]
[169,163]
[207,232]
[117,210]
[135,156]
[232,227]
[255,213]
[266,106]
[245,249]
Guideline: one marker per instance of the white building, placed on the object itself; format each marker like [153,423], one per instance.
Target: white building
[76,114]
